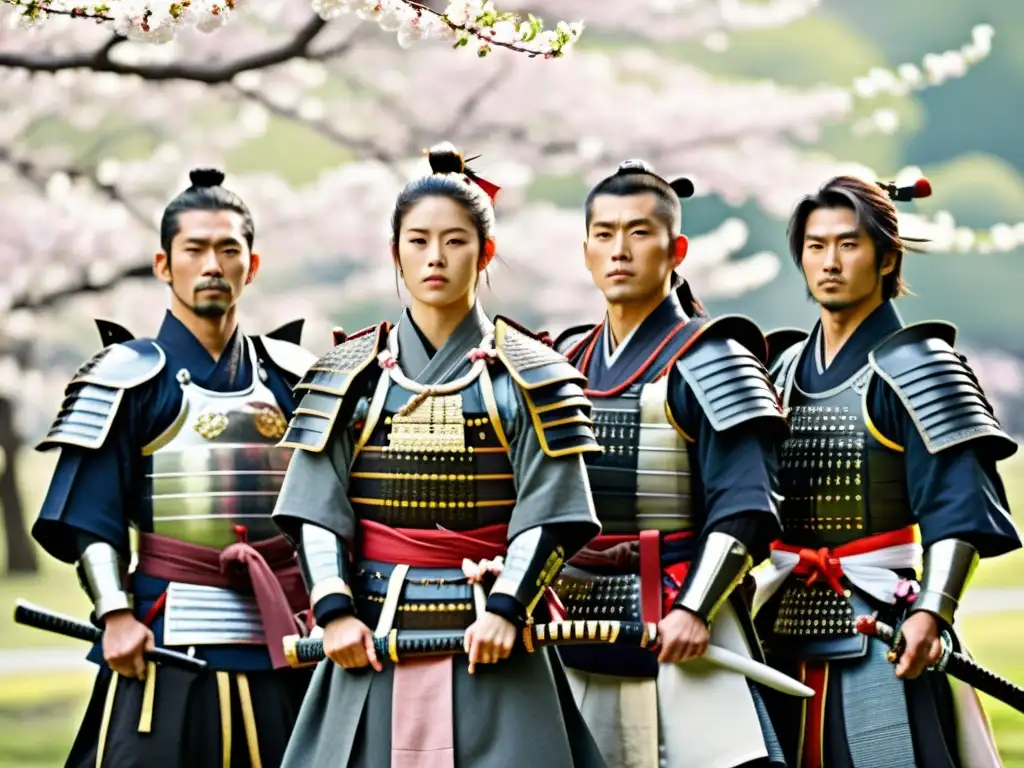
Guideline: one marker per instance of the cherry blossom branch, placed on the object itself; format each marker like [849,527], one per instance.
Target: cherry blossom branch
[462,21]
[100,61]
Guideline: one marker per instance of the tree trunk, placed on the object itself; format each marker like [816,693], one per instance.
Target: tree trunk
[21,554]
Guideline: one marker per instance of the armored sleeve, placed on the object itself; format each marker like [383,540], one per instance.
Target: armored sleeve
[724,370]
[109,405]
[95,393]
[552,390]
[954,494]
[939,390]
[553,516]
[328,387]
[323,560]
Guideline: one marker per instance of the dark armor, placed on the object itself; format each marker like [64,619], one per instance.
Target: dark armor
[843,480]
[643,479]
[429,460]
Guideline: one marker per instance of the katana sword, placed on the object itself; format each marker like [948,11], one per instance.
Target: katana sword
[954,663]
[306,651]
[40,618]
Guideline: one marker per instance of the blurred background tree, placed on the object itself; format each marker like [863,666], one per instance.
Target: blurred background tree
[319,120]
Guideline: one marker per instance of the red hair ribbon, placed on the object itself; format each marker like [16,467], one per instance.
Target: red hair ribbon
[489,188]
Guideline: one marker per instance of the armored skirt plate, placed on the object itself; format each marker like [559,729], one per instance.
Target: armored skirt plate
[589,596]
[197,615]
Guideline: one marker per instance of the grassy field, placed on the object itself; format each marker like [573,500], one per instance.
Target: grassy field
[39,713]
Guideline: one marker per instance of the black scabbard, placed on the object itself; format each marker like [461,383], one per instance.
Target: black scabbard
[40,618]
[956,664]
[305,651]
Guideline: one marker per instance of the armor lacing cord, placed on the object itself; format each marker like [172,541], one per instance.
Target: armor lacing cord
[479,356]
[820,562]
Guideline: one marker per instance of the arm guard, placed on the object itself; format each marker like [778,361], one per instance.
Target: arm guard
[939,390]
[94,395]
[553,391]
[325,385]
[722,565]
[533,560]
[102,577]
[948,567]
[324,568]
[724,369]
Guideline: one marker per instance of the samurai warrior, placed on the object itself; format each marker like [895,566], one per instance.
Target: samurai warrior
[685,489]
[429,452]
[890,497]
[169,462]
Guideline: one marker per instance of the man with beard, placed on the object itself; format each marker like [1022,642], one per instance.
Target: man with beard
[172,441]
[892,454]
[684,489]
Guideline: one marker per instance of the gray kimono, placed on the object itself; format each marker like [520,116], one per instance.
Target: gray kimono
[495,449]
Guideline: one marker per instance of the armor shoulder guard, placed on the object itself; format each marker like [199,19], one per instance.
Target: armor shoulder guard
[568,341]
[938,388]
[112,333]
[288,332]
[325,384]
[287,355]
[552,388]
[724,368]
[93,396]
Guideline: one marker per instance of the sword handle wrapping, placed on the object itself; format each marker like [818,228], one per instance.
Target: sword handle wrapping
[306,651]
[40,618]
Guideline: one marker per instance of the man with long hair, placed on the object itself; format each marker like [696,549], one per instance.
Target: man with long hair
[892,454]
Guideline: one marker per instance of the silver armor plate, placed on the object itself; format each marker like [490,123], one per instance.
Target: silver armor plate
[218,466]
[195,615]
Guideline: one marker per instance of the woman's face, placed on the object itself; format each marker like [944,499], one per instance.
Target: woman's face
[439,253]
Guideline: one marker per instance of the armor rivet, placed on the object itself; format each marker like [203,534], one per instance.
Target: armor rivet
[184,377]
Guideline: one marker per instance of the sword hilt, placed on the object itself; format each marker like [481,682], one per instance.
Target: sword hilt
[954,663]
[40,618]
[306,651]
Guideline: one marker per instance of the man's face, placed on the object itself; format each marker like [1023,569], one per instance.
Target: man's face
[210,262]
[839,260]
[629,249]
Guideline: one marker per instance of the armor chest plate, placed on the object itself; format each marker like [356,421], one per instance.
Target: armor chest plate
[444,462]
[218,465]
[642,479]
[838,482]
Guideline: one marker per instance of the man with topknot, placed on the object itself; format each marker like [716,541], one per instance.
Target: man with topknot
[169,457]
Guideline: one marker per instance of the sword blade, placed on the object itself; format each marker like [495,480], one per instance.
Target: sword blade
[758,672]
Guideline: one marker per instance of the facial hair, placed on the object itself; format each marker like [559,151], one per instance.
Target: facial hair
[211,308]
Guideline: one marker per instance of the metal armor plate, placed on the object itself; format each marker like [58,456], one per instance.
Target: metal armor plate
[218,466]
[443,463]
[196,615]
[642,479]
[431,598]
[838,482]
[589,596]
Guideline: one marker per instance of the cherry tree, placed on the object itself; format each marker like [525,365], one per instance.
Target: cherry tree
[104,108]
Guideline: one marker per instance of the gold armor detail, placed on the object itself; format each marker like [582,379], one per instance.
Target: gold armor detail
[269,421]
[434,425]
[211,425]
